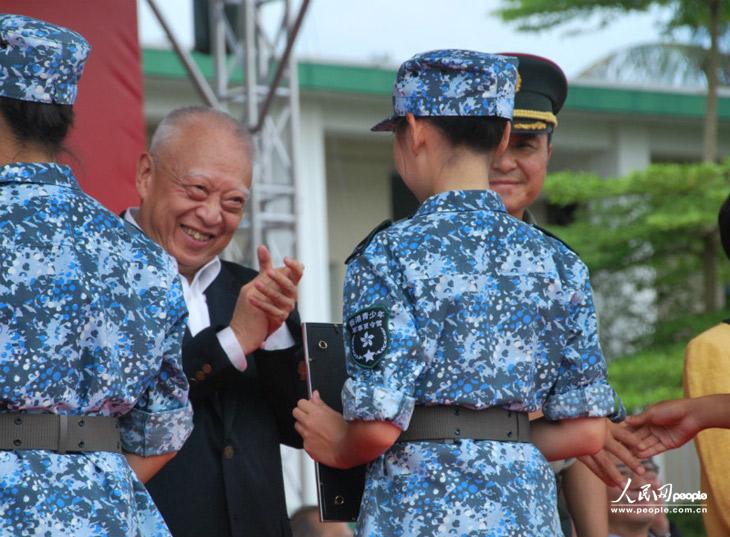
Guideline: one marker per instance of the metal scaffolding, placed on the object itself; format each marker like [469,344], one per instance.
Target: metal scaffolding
[257,42]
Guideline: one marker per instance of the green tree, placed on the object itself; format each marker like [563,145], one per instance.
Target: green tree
[702,17]
[708,17]
[648,227]
[674,65]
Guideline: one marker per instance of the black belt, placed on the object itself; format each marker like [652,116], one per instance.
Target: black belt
[59,433]
[458,423]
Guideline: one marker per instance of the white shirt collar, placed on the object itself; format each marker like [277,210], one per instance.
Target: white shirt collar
[205,276]
[130,215]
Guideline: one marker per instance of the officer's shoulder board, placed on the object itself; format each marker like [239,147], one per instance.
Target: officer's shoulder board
[360,248]
[554,236]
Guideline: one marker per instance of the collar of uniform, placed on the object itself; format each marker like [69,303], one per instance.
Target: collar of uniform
[527,218]
[462,200]
[48,173]
[202,279]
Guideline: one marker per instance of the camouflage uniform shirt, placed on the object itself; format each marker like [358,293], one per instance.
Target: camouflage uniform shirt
[91,320]
[464,305]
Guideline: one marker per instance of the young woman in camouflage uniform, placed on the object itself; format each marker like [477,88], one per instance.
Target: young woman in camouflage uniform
[461,305]
[91,318]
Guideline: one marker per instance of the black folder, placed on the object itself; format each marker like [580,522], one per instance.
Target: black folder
[339,491]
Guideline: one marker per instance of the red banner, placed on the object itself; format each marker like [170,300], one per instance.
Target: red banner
[109,131]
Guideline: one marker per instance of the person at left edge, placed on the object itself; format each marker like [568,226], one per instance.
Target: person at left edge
[91,320]
[242,365]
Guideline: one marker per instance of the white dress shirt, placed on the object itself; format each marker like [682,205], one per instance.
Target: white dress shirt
[199,316]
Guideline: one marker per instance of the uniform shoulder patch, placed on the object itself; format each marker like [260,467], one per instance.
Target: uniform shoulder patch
[360,248]
[554,236]
[369,338]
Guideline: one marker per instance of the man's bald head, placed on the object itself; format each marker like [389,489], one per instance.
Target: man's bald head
[193,183]
[182,119]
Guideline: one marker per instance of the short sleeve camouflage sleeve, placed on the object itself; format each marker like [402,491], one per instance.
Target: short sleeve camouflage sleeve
[582,388]
[381,341]
[161,420]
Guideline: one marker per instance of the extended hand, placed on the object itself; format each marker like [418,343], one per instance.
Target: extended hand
[666,425]
[322,429]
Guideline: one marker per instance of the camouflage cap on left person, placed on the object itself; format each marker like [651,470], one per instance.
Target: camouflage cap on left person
[453,82]
[39,61]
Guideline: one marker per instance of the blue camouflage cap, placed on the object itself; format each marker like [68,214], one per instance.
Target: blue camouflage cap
[453,82]
[39,61]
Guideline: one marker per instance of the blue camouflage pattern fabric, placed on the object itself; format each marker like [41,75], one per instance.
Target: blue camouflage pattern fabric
[91,322]
[453,82]
[39,61]
[482,311]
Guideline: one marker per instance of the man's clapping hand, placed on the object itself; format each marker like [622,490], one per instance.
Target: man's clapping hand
[266,301]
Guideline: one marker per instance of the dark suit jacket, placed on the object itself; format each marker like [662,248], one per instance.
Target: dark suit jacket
[227,478]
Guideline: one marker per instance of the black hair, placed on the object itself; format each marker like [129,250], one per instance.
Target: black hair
[42,124]
[477,133]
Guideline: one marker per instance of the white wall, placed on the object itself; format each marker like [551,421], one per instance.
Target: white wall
[359,198]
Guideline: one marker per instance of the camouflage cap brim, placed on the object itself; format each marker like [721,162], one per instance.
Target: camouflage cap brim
[387,125]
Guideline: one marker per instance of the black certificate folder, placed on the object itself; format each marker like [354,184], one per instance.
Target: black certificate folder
[339,491]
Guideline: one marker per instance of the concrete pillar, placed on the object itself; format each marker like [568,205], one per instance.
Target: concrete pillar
[632,149]
[629,151]
[314,289]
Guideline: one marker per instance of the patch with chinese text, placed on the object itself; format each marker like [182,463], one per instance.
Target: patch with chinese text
[368,330]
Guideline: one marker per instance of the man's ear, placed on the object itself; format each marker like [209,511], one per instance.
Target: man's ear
[549,150]
[143,177]
[504,142]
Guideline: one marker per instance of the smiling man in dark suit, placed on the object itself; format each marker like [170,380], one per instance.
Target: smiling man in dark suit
[242,347]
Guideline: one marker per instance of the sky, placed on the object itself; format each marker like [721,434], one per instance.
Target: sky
[387,32]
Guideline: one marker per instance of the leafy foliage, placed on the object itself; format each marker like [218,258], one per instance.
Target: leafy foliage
[680,65]
[535,15]
[655,373]
[648,216]
[648,376]
[644,235]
